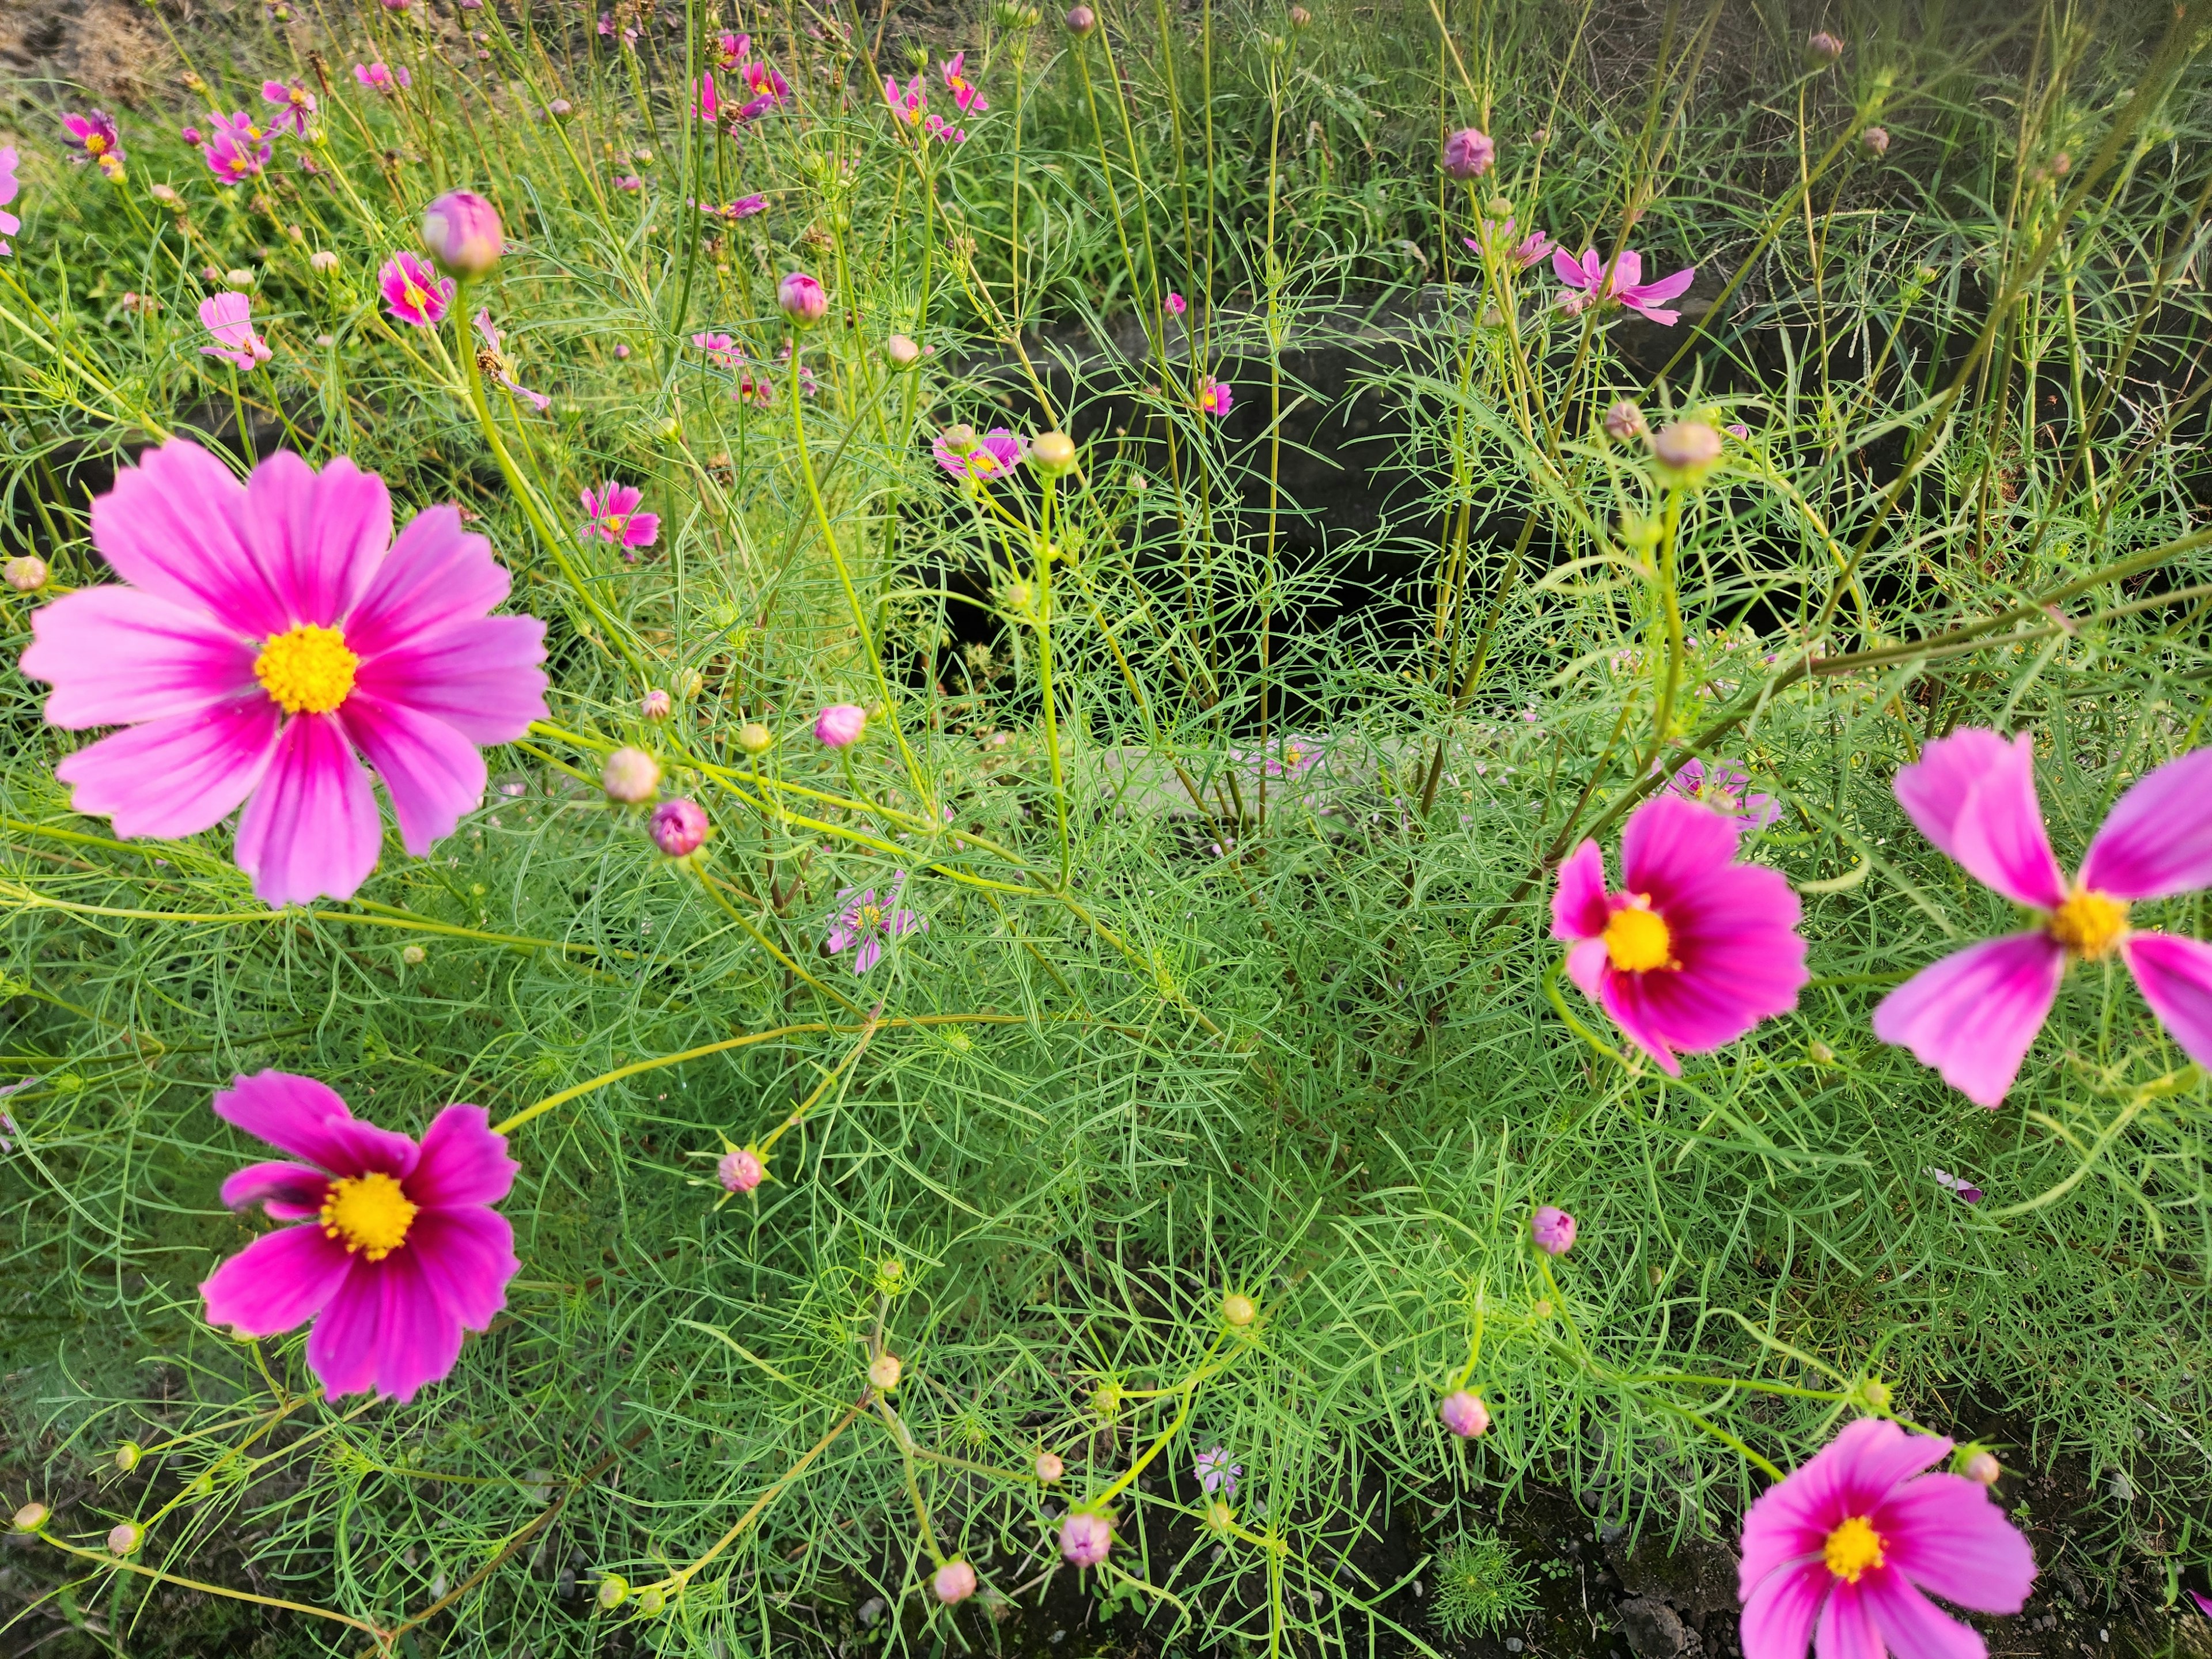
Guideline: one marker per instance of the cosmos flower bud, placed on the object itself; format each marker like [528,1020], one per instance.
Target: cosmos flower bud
[741,1170]
[755,739]
[1049,1468]
[123,1538]
[953,1581]
[31,1517]
[901,352]
[1822,48]
[612,1589]
[463,233]
[1468,154]
[650,1602]
[802,298]
[1301,18]
[1687,449]
[559,109]
[884,1371]
[1081,20]
[1220,1517]
[26,573]
[1876,142]
[323,260]
[1053,452]
[631,776]
[678,827]
[1983,1469]
[1875,1393]
[1625,421]
[1821,1053]
[1554,1230]
[1464,1414]
[1085,1539]
[127,1456]
[656,704]
[1237,1310]
[414,957]
[840,724]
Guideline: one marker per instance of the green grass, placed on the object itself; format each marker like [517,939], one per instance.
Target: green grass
[1327,1072]
[1480,1586]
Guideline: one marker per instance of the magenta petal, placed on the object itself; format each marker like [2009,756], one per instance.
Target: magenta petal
[116,656]
[175,776]
[432,773]
[1973,795]
[386,1330]
[463,1162]
[466,1256]
[276,1281]
[342,1344]
[642,530]
[1624,997]
[1578,906]
[1670,849]
[435,574]
[2157,839]
[1843,1629]
[480,677]
[318,536]
[1946,1533]
[1587,961]
[290,1192]
[1974,1015]
[359,1147]
[291,1113]
[1912,1626]
[174,526]
[311,829]
[1778,1613]
[1569,269]
[1664,289]
[2175,977]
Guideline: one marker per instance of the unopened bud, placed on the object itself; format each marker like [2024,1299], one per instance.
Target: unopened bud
[1624,422]
[612,1589]
[123,1539]
[1875,1392]
[840,724]
[901,352]
[884,1371]
[1822,1054]
[631,776]
[1464,1414]
[1085,1539]
[1053,452]
[1049,1468]
[1081,20]
[414,955]
[1237,1310]
[678,827]
[26,573]
[755,739]
[802,298]
[1983,1469]
[463,232]
[127,1456]
[31,1517]
[1875,141]
[1301,18]
[1687,448]
[741,1170]
[656,704]
[650,1602]
[954,1582]
[1220,1517]
[1822,48]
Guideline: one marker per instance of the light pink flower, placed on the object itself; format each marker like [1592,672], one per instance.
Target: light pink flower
[954,1582]
[1468,154]
[237,149]
[721,350]
[264,638]
[964,94]
[1496,237]
[1216,1473]
[839,725]
[1554,1230]
[228,316]
[413,293]
[1697,949]
[9,224]
[1974,1015]
[1725,787]
[1214,397]
[1623,284]
[1084,1539]
[866,923]
[399,1250]
[612,511]
[1841,1553]
[377,78]
[987,454]
[502,369]
[294,105]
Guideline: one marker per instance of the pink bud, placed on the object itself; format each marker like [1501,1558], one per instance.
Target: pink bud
[1049,1468]
[1623,420]
[1468,154]
[953,1581]
[26,573]
[678,827]
[1876,142]
[1983,1469]
[1687,446]
[801,298]
[463,232]
[655,704]
[1553,1228]
[840,723]
[631,776]
[740,1171]
[1464,1415]
[1081,20]
[1084,1539]
[1822,47]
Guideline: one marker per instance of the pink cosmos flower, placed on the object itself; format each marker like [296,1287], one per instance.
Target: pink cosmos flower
[721,350]
[765,82]
[267,635]
[839,725]
[1723,787]
[294,105]
[866,923]
[710,104]
[910,106]
[92,137]
[630,181]
[1840,1553]
[413,293]
[236,149]
[1697,949]
[9,224]
[1974,1014]
[1623,284]
[1529,252]
[228,316]
[964,94]
[1084,1539]
[988,455]
[1216,1473]
[743,208]
[399,1250]
[612,510]
[1214,397]
[1554,1230]
[944,132]
[1175,305]
[377,78]
[735,48]
[494,356]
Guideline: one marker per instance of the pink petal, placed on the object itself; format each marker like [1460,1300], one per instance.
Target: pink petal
[1628,1005]
[288,1192]
[2157,839]
[1974,1015]
[435,574]
[1912,1625]
[362,1148]
[1844,1631]
[1662,315]
[1945,1534]
[1778,1612]
[2175,977]
[118,656]
[479,676]
[386,1330]
[1743,959]
[318,536]
[1587,962]
[174,526]
[869,953]
[1973,795]
[432,773]
[291,1113]
[1671,848]
[1665,288]
[1624,271]
[1569,269]
[176,777]
[466,1256]
[642,530]
[463,1162]
[311,829]
[1578,906]
[274,1283]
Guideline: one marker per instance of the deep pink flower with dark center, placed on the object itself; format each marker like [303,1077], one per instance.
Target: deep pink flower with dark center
[867,923]
[237,149]
[9,224]
[228,317]
[413,293]
[612,511]
[294,105]
[964,94]
[1697,949]
[398,1251]
[1723,787]
[1974,1015]
[1592,284]
[968,455]
[267,636]
[92,137]
[1840,1553]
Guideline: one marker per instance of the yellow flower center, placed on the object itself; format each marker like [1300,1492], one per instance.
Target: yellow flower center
[369,1212]
[1852,1548]
[872,917]
[94,145]
[1636,938]
[413,297]
[308,669]
[2088,923]
[614,522]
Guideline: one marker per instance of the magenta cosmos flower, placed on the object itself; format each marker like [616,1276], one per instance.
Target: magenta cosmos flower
[839,725]
[1554,1230]
[612,510]
[910,106]
[413,293]
[1696,949]
[1214,397]
[228,317]
[1840,1553]
[295,105]
[1974,1015]
[964,94]
[377,78]
[1496,237]
[265,638]
[866,923]
[1591,283]
[966,454]
[1725,788]
[237,149]
[1468,154]
[399,1249]
[1084,1539]
[9,224]
[93,137]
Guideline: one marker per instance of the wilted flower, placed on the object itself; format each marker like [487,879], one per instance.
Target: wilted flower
[492,358]
[324,261]
[1724,787]
[412,292]
[1049,1468]
[228,316]
[866,923]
